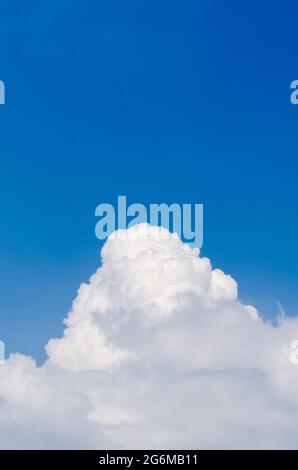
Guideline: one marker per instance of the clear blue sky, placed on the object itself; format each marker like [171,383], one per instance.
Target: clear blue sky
[163,101]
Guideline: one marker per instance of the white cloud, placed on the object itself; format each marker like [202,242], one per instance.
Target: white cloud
[157,353]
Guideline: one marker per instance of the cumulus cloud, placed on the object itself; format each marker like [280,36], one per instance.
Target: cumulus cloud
[157,352]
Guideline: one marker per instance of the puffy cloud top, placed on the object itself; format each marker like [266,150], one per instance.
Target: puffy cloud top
[157,353]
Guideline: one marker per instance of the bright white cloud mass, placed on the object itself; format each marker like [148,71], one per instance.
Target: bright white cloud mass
[157,353]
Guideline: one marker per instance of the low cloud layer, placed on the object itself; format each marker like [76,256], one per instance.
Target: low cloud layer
[157,352]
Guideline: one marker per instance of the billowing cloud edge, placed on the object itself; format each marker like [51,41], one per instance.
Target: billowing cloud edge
[157,352]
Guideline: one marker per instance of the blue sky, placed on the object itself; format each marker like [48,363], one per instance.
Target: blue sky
[163,101]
